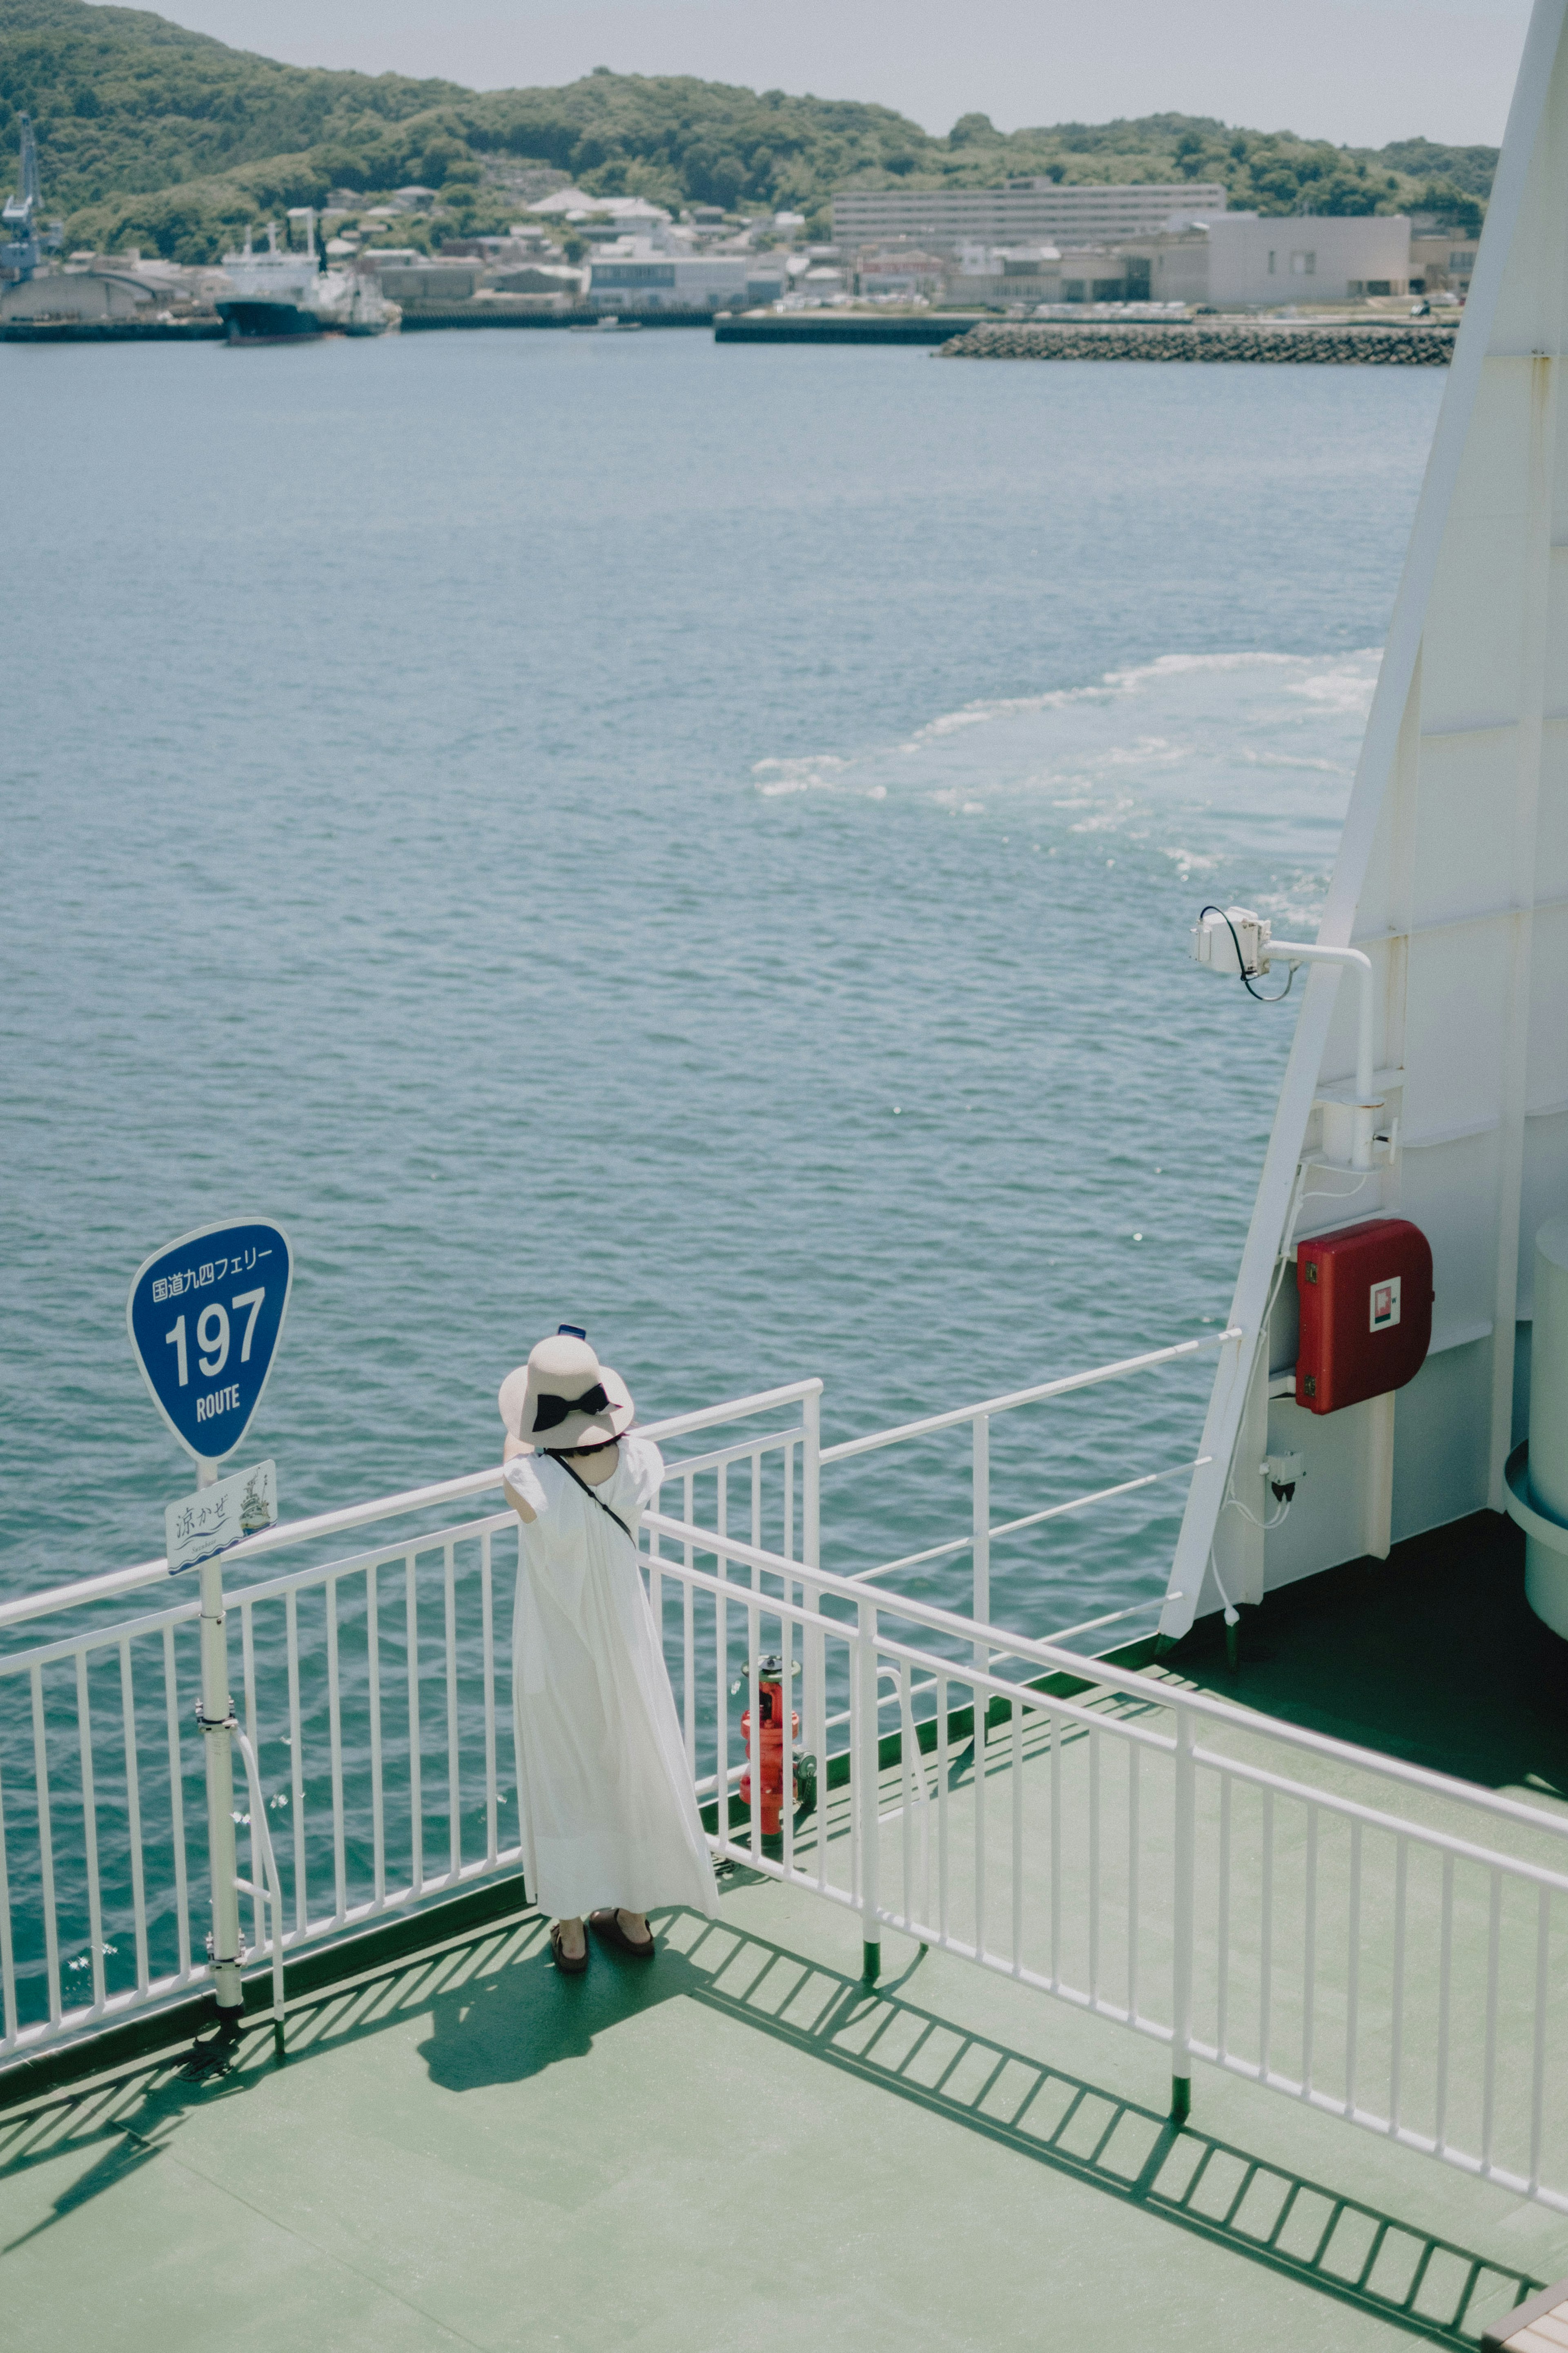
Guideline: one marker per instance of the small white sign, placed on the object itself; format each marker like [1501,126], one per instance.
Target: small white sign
[215,1517]
[1386,1304]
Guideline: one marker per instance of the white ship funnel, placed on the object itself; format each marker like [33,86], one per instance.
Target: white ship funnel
[1452,877]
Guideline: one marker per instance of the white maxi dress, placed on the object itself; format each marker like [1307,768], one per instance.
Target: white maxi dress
[606,1804]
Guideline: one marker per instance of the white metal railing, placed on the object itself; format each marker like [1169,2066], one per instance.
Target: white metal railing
[1373,1939]
[367,1707]
[439,1497]
[368,1795]
[328,1634]
[982,1532]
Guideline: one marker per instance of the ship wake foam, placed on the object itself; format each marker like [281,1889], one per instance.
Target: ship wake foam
[1204,760]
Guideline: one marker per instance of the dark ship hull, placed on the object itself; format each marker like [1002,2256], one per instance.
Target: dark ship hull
[255,321]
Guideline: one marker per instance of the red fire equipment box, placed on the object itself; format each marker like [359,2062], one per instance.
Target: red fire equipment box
[1366,1312]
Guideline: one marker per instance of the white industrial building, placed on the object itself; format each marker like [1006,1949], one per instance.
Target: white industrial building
[1258,259]
[73,295]
[637,275]
[1020,212]
[104,286]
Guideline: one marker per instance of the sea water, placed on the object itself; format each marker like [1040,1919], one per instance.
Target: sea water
[694,842]
[697,842]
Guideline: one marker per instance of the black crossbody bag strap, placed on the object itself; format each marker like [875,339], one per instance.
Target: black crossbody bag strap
[598,1499]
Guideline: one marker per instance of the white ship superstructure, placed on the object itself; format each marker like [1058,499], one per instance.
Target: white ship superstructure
[280,296]
[1451,890]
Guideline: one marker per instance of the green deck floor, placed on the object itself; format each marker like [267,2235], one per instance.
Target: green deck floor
[742,2147]
[1434,1655]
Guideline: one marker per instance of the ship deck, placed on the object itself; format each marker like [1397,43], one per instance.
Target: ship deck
[743,2145]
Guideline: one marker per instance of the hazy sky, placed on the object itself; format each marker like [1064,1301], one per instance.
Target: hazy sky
[1360,71]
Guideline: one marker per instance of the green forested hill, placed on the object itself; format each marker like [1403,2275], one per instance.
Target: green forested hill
[124,102]
[152,135]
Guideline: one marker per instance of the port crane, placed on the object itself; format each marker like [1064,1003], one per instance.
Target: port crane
[25,237]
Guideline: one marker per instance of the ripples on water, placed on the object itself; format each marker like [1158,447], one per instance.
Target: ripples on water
[694,842]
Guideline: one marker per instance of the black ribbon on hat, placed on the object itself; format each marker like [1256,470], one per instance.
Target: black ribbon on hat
[548,1411]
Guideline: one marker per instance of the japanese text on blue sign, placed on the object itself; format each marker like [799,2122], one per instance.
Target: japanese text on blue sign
[206,1362]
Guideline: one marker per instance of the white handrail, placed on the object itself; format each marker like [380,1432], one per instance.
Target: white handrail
[895,1803]
[1063,1387]
[1357,961]
[1127,1681]
[686,1466]
[904,1844]
[23,1605]
[1047,1654]
[1035,1519]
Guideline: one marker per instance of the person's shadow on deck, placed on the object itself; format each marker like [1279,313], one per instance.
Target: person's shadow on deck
[515,2020]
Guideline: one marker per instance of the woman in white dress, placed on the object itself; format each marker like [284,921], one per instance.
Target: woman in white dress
[608,1815]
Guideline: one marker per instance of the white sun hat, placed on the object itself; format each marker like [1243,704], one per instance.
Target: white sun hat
[563,1397]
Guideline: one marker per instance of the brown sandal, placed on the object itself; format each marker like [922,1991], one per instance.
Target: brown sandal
[569,1966]
[608,1924]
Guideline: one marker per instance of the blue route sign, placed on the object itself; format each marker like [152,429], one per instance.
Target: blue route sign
[204,1316]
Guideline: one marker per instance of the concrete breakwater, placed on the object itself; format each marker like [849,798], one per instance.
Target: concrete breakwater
[1396,344]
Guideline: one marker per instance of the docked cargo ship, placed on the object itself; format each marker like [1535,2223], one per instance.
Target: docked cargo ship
[1196,1976]
[282,297]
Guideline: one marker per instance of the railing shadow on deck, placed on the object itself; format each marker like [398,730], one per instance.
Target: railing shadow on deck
[500,2014]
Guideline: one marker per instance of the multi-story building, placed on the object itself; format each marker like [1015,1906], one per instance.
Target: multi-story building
[1257,260]
[1020,212]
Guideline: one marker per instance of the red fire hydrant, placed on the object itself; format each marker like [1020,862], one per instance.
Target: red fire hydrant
[771,1702]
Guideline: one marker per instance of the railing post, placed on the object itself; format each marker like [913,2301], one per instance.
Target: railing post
[981,1532]
[216,1717]
[813,1655]
[811,1480]
[867,1789]
[1185,1852]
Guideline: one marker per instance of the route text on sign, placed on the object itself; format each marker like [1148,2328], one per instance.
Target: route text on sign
[204,1316]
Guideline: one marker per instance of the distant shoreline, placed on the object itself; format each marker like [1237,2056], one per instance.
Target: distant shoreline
[947,335]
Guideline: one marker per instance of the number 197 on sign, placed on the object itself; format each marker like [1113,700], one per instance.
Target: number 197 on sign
[207,1365]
